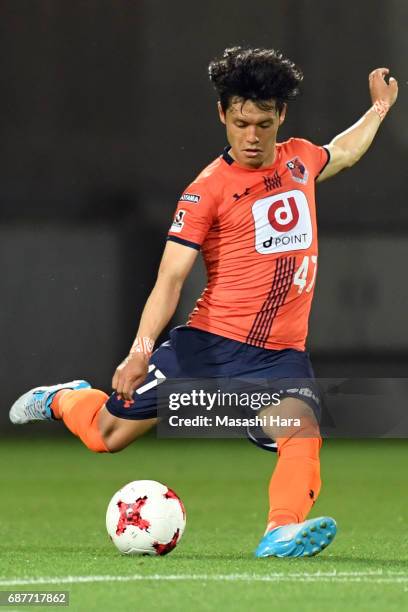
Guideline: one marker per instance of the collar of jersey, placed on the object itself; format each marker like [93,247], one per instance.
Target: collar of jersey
[232,162]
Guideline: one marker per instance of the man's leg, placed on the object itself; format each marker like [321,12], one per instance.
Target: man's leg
[84,413]
[102,423]
[295,482]
[295,485]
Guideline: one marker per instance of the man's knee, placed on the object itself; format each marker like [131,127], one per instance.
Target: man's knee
[114,444]
[293,417]
[119,433]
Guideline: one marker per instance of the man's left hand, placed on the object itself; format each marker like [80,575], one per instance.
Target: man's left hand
[380,89]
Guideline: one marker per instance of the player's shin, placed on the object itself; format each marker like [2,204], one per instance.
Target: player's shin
[79,410]
[295,482]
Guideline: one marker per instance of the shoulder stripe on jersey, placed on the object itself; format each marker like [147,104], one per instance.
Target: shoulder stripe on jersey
[281,283]
[192,245]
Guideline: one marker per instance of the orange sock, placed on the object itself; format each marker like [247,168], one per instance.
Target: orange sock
[295,482]
[79,410]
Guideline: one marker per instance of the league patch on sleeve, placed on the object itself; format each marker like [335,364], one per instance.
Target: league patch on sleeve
[192,198]
[178,222]
[298,170]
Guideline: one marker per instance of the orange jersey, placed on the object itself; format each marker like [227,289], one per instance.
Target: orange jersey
[258,235]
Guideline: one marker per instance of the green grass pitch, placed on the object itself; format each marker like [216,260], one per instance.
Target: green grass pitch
[54,495]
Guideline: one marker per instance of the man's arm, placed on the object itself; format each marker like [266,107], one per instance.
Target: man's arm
[349,146]
[175,266]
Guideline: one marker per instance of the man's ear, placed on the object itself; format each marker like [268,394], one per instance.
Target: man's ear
[282,114]
[221,113]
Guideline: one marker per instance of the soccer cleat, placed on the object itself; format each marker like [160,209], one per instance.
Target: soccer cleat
[298,539]
[35,405]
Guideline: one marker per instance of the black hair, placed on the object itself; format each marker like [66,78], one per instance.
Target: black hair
[260,75]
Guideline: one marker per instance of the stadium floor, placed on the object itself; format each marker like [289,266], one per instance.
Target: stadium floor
[55,492]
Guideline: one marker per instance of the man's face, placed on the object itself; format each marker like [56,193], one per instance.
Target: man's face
[251,132]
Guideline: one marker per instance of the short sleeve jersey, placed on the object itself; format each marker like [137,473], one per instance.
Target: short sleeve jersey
[258,235]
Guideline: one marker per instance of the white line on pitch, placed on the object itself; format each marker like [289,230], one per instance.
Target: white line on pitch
[375,576]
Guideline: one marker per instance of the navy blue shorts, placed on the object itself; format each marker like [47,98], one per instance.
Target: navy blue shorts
[195,354]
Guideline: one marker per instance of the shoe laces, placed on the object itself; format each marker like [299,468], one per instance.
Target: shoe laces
[37,405]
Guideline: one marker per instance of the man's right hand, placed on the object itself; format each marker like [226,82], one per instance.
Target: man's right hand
[130,374]
[175,265]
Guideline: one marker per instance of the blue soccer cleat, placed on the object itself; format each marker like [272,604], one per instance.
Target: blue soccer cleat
[35,405]
[298,539]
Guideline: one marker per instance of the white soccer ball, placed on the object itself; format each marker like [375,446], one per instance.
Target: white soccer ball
[145,518]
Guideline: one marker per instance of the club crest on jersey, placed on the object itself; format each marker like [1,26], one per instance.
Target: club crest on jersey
[193,198]
[298,170]
[178,222]
[282,223]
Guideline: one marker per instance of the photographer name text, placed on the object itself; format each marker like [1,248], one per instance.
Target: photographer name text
[226,421]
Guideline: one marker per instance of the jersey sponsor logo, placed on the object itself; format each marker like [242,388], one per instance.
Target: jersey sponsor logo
[283,215]
[178,222]
[282,223]
[193,198]
[298,170]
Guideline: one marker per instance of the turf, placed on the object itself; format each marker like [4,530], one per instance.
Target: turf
[54,496]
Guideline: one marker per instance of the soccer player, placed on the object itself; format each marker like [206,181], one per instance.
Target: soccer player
[252,214]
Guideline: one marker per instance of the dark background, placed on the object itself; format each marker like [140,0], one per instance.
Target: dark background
[106,114]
